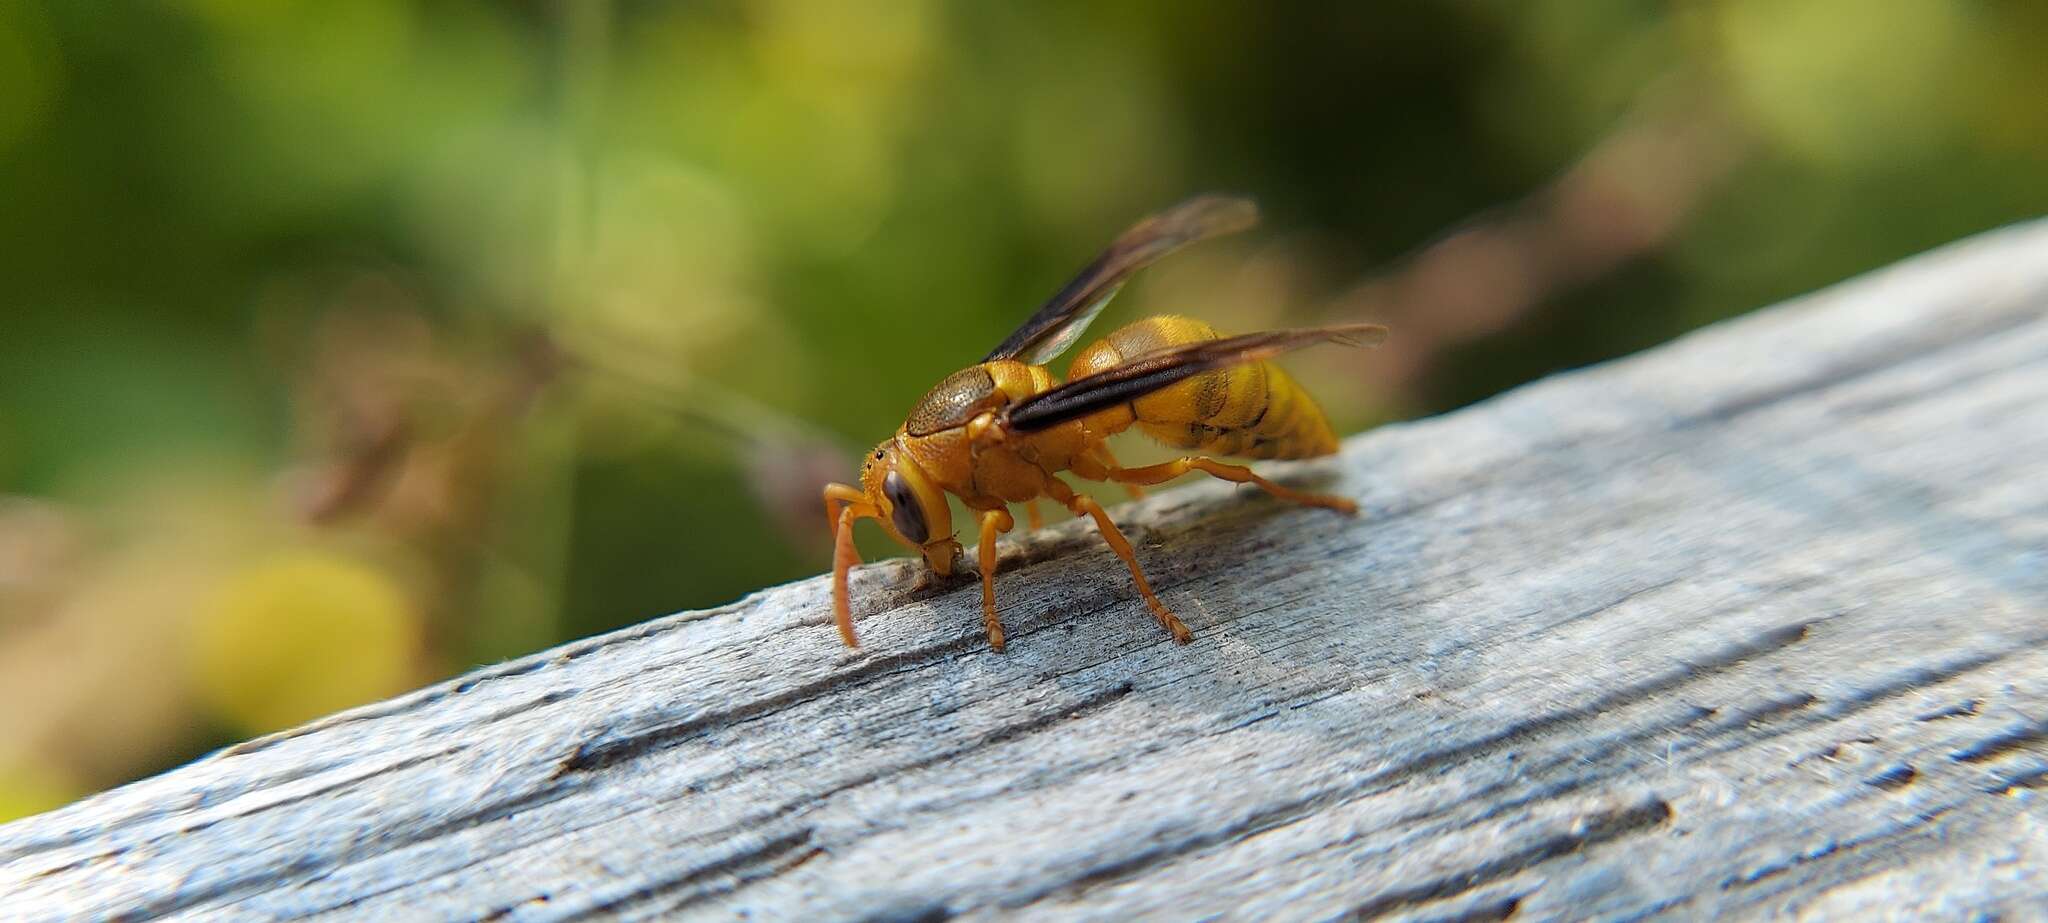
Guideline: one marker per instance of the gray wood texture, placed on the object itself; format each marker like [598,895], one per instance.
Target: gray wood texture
[1749,624]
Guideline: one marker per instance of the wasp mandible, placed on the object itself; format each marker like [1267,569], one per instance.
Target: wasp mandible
[1000,431]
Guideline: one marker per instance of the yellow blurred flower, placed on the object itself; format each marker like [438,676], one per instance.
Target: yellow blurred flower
[300,636]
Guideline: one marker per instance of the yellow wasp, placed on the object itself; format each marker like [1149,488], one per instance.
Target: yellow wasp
[997,432]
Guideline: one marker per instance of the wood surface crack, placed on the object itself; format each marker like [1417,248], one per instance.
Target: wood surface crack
[1594,829]
[231,891]
[1832,848]
[1872,406]
[1582,773]
[1876,361]
[609,750]
[743,867]
[2003,742]
[1003,734]
[814,800]
[1287,812]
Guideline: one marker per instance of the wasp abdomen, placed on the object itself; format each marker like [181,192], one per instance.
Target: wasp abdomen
[1252,410]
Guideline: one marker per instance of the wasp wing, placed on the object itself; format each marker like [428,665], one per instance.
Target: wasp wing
[1060,322]
[1155,370]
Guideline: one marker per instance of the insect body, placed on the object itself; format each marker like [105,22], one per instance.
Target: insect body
[1000,432]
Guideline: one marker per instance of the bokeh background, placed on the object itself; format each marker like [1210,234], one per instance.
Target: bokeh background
[347,345]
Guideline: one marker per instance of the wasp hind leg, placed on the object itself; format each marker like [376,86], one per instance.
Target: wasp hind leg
[993,524]
[1082,504]
[1167,471]
[1110,463]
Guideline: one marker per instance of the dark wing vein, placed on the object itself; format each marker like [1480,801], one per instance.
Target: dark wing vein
[1151,372]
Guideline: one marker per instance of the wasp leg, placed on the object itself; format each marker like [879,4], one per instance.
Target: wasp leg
[1154,474]
[1136,492]
[1033,519]
[836,494]
[844,557]
[844,506]
[993,523]
[934,578]
[1080,504]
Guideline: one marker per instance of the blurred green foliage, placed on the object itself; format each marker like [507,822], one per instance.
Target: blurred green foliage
[348,344]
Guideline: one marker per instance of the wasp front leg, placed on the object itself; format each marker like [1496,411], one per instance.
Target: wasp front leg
[837,494]
[942,564]
[845,506]
[993,523]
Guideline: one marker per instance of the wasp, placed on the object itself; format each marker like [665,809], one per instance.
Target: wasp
[1000,431]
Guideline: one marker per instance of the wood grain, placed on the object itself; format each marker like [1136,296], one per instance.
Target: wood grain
[1750,624]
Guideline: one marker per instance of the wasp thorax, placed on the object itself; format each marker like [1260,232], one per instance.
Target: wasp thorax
[954,401]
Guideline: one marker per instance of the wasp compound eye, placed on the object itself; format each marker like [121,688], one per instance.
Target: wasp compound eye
[903,509]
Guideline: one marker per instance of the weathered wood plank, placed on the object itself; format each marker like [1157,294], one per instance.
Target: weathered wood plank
[1750,623]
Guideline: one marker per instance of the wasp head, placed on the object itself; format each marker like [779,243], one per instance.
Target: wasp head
[911,508]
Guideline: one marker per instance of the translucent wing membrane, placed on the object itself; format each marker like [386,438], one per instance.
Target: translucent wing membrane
[1150,372]
[1063,319]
